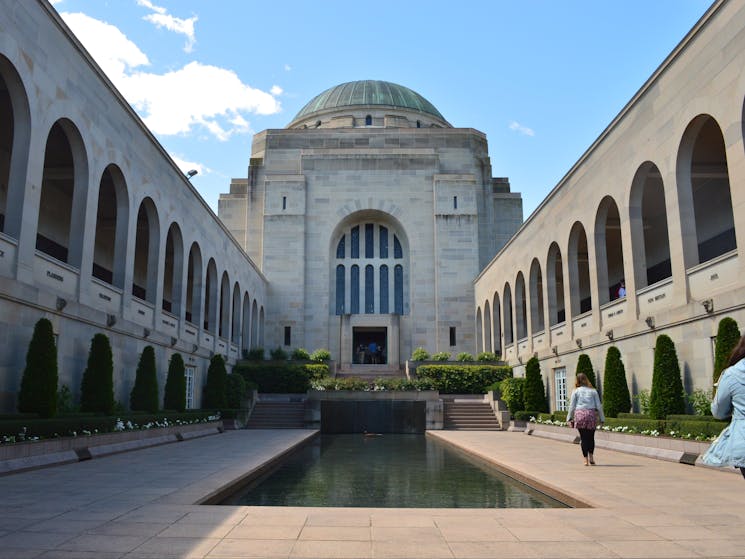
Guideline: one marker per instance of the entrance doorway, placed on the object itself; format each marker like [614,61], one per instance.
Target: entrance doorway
[369,345]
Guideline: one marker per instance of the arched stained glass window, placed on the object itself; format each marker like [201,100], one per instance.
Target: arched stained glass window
[397,250]
[384,289]
[356,241]
[369,241]
[383,242]
[354,290]
[369,290]
[340,283]
[340,248]
[398,289]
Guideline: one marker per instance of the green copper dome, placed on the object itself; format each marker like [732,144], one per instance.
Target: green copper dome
[368,92]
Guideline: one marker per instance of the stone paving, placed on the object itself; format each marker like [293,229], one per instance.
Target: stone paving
[141,505]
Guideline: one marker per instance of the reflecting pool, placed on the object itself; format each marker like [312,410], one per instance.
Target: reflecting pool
[397,471]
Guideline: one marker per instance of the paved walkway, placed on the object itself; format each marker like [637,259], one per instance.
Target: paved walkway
[140,505]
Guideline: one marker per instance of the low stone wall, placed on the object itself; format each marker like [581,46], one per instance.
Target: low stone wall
[52,452]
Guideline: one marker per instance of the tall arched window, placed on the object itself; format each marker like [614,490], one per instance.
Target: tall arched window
[579,271]
[369,289]
[497,321]
[521,308]
[340,291]
[172,270]
[246,323]
[555,279]
[398,289]
[508,332]
[194,285]
[112,219]
[487,327]
[354,303]
[254,324]
[224,319]
[144,279]
[479,331]
[235,326]
[211,299]
[384,289]
[536,298]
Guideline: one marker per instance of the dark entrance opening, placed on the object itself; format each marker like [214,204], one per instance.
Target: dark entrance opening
[368,345]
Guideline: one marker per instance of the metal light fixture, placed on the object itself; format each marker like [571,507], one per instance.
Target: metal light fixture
[194,348]
[708,305]
[110,320]
[191,173]
[60,303]
[609,333]
[650,321]
[555,350]
[578,341]
[146,332]
[173,340]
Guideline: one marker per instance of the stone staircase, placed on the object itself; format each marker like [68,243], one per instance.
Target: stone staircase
[277,415]
[469,416]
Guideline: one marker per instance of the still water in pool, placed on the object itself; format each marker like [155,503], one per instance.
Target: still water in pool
[398,471]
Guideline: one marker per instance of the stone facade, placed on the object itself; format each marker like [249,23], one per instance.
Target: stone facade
[654,202]
[100,231]
[377,174]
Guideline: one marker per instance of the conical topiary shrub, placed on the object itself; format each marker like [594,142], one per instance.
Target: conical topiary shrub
[215,392]
[534,391]
[175,391]
[616,396]
[584,365]
[97,387]
[728,334]
[235,389]
[144,395]
[667,396]
[38,392]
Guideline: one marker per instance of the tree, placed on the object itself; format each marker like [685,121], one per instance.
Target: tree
[38,392]
[534,391]
[728,334]
[616,396]
[175,390]
[235,388]
[584,365]
[144,395]
[215,392]
[667,396]
[97,387]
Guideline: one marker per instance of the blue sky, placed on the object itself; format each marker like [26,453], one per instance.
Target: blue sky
[542,78]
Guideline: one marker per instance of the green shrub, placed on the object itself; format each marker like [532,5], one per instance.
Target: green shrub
[174,397]
[441,356]
[559,415]
[281,378]
[343,383]
[215,391]
[584,365]
[278,354]
[629,415]
[463,379]
[534,392]
[419,354]
[526,415]
[667,396]
[65,402]
[321,355]
[235,391]
[464,357]
[638,425]
[300,354]
[700,418]
[642,401]
[97,387]
[700,401]
[616,397]
[728,334]
[707,428]
[255,354]
[144,395]
[487,356]
[38,392]
[513,394]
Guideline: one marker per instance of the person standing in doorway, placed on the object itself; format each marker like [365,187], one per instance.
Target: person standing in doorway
[585,411]
[622,290]
[729,447]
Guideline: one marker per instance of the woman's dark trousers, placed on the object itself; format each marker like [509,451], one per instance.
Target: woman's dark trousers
[587,441]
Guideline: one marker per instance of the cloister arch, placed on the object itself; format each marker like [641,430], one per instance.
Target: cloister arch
[144,278]
[608,250]
[194,285]
[64,186]
[537,320]
[580,297]
[246,323]
[235,325]
[15,134]
[497,322]
[254,325]
[521,307]
[173,270]
[479,331]
[261,327]
[112,222]
[487,327]
[704,195]
[648,221]
[211,300]
[555,284]
[507,328]
[224,318]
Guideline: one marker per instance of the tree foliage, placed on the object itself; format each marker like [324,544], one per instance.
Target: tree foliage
[97,387]
[667,396]
[616,396]
[175,390]
[534,391]
[513,394]
[144,395]
[728,334]
[38,392]
[584,365]
[236,390]
[215,392]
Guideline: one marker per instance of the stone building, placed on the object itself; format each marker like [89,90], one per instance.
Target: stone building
[656,203]
[370,215]
[99,230]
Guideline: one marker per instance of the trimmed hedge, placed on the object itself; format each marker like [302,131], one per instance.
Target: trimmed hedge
[616,396]
[631,415]
[638,424]
[463,379]
[708,428]
[144,395]
[215,391]
[728,334]
[534,392]
[97,386]
[512,393]
[584,365]
[281,377]
[175,390]
[38,392]
[667,396]
[699,418]
[525,415]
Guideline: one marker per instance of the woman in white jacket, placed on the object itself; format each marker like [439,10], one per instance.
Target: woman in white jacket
[584,412]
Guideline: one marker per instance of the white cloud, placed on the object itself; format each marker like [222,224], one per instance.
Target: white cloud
[276,90]
[288,67]
[177,102]
[520,129]
[161,18]
[54,2]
